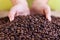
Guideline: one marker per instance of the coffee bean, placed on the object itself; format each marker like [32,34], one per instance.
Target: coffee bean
[31,27]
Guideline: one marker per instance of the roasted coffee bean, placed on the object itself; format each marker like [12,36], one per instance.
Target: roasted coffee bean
[31,27]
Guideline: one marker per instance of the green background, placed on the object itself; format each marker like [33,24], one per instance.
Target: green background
[6,4]
[54,4]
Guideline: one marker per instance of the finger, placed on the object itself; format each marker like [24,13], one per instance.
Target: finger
[48,12]
[23,13]
[11,14]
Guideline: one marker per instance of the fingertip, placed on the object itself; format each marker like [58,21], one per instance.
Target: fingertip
[49,18]
[11,19]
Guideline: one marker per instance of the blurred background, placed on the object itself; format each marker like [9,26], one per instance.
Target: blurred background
[5,6]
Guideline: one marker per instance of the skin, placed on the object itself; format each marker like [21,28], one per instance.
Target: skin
[42,7]
[20,7]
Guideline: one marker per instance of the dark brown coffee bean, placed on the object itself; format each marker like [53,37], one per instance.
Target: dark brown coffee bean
[31,27]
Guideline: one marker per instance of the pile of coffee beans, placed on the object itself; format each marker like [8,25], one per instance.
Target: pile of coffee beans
[31,27]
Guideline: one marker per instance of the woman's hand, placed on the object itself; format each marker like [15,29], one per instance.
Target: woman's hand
[19,9]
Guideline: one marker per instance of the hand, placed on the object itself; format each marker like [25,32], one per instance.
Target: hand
[19,9]
[43,8]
